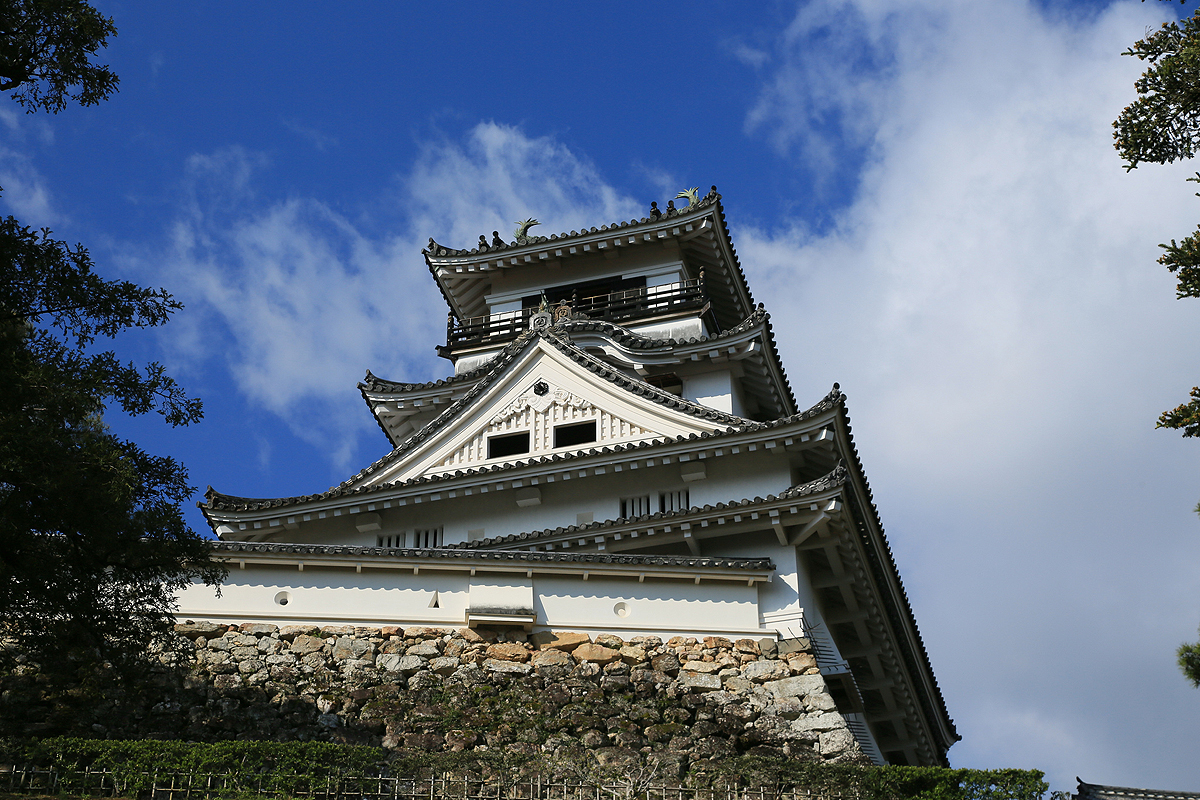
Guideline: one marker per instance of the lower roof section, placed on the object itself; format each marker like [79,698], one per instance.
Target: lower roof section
[633,565]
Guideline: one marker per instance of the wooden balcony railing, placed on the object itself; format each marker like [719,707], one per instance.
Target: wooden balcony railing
[630,304]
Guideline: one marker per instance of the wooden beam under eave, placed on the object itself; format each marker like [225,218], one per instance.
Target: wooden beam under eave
[808,530]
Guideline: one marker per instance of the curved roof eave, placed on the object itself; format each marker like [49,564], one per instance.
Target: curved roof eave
[451,554]
[217,501]
[830,481]
[437,255]
[888,575]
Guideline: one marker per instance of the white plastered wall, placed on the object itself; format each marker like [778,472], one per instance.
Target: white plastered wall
[373,597]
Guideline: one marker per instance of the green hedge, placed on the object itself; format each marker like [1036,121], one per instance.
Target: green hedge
[283,768]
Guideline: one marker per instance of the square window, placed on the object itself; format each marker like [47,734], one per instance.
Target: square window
[510,444]
[573,435]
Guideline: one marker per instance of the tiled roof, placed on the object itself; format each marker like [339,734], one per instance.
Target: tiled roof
[496,245]
[826,482]
[217,501]
[447,554]
[1095,791]
[710,202]
[621,335]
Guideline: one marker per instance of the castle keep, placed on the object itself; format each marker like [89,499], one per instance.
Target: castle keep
[617,455]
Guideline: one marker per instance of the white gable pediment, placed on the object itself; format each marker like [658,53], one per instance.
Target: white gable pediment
[541,391]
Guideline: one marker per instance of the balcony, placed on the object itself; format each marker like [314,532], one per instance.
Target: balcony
[623,306]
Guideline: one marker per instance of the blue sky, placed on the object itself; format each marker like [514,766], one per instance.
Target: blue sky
[923,193]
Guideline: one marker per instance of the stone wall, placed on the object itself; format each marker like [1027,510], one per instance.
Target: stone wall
[472,689]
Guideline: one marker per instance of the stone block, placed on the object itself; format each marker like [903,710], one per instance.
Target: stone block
[510,667]
[738,684]
[667,662]
[391,630]
[394,662]
[747,646]
[290,632]
[799,645]
[595,653]
[305,644]
[800,663]
[836,742]
[423,633]
[508,651]
[557,658]
[338,630]
[720,642]
[558,640]
[699,682]
[681,641]
[819,722]
[424,649]
[225,682]
[646,642]
[477,635]
[350,647]
[703,667]
[768,648]
[193,630]
[610,640]
[258,628]
[796,686]
[820,701]
[764,671]
[632,655]
[444,665]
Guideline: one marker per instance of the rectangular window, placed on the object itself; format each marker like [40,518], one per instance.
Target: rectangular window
[427,537]
[635,506]
[391,540]
[510,444]
[573,435]
[673,501]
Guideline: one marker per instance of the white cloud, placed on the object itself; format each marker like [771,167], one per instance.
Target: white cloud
[990,302]
[301,299]
[25,190]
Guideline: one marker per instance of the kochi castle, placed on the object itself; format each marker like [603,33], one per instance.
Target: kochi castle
[618,450]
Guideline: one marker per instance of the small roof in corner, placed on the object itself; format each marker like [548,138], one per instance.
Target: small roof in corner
[1095,791]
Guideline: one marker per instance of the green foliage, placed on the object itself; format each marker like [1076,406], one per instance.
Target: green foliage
[1185,416]
[47,50]
[1160,127]
[93,544]
[286,768]
[1189,661]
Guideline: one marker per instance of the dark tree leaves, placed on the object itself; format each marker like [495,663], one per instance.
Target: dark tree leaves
[46,47]
[1160,127]
[93,544]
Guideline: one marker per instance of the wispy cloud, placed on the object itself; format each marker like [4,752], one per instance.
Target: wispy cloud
[989,300]
[300,300]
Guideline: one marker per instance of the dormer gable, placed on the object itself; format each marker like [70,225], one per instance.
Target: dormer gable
[548,398]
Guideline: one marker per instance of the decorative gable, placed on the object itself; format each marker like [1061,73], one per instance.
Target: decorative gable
[521,411]
[540,415]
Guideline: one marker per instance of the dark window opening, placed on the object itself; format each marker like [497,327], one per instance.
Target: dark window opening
[510,444]
[584,291]
[571,435]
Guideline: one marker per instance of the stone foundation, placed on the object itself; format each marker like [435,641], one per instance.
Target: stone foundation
[473,689]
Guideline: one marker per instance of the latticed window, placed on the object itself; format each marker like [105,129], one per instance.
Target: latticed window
[635,506]
[427,537]
[673,501]
[391,540]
